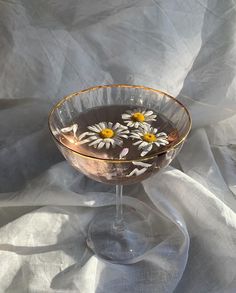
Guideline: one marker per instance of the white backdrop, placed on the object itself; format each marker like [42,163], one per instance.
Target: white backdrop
[51,48]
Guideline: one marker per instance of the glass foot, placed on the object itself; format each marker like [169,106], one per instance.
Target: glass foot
[120,243]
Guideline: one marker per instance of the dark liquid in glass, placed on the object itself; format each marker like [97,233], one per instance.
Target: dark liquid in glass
[113,113]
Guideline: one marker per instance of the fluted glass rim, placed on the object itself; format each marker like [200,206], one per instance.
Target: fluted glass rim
[140,159]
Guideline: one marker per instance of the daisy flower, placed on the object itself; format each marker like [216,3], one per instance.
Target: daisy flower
[147,137]
[136,118]
[104,134]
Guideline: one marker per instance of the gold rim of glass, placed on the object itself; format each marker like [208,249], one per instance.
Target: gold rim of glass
[60,103]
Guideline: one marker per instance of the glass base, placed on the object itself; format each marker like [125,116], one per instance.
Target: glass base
[120,243]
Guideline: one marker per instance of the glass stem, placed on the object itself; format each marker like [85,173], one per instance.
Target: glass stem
[119,220]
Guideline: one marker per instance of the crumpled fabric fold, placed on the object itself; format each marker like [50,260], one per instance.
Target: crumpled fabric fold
[52,48]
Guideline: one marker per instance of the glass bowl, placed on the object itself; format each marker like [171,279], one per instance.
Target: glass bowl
[119,234]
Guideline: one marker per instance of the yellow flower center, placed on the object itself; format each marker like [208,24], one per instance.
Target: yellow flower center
[107,133]
[149,137]
[138,117]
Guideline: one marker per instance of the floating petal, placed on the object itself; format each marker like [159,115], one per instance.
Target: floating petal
[73,128]
[142,164]
[123,153]
[137,172]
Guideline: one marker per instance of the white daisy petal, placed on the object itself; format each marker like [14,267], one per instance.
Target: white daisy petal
[107,145]
[162,138]
[74,128]
[143,144]
[123,153]
[130,123]
[151,118]
[142,164]
[132,172]
[148,113]
[123,127]
[94,137]
[161,134]
[135,135]
[136,172]
[113,142]
[155,130]
[118,141]
[106,124]
[108,139]
[102,125]
[136,124]
[116,126]
[120,130]
[149,147]
[150,129]
[163,142]
[123,135]
[157,143]
[98,126]
[94,142]
[82,142]
[141,171]
[83,135]
[110,124]
[93,128]
[67,129]
[101,144]
[99,140]
[137,142]
[90,139]
[126,131]
[92,133]
[143,124]
[145,128]
[126,116]
[143,153]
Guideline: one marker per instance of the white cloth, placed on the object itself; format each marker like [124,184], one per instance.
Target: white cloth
[51,48]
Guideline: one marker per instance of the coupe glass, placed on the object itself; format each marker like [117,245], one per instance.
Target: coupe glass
[120,233]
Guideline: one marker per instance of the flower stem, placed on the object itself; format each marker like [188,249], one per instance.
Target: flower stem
[119,220]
